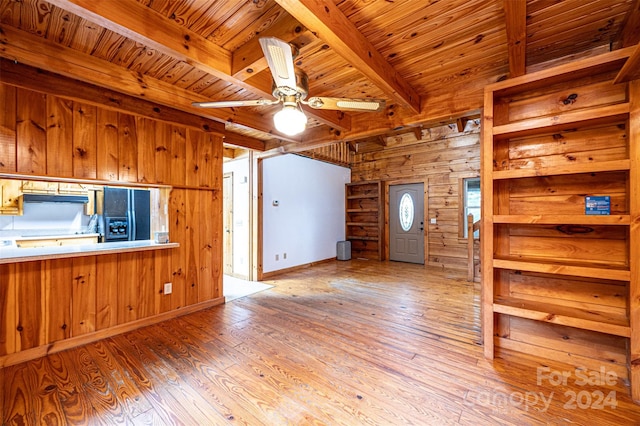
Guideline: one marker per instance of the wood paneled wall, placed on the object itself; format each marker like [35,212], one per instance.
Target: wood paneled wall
[440,159]
[42,302]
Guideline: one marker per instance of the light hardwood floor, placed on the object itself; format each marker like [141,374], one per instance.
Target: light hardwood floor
[357,342]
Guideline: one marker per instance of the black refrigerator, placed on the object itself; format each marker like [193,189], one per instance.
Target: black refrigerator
[126,214]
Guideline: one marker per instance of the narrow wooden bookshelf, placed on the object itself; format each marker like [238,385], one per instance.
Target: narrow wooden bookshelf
[364,216]
[560,279]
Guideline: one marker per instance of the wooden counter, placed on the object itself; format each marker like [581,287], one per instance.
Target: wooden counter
[14,255]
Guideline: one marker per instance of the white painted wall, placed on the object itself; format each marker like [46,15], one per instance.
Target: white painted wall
[309,218]
[240,170]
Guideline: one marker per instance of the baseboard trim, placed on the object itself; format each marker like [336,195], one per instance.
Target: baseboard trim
[271,274]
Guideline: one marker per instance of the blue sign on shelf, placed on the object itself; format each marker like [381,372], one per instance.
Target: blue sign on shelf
[597,205]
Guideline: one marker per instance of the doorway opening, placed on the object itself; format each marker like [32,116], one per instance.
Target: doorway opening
[239,217]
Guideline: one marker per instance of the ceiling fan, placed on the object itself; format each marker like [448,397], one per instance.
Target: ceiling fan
[291,87]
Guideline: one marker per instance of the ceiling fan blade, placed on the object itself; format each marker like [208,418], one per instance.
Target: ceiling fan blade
[280,60]
[346,104]
[231,104]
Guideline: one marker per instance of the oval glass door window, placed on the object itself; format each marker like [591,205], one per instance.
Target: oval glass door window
[406,212]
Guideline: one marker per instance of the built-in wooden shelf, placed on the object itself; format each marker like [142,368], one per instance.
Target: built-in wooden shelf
[556,282]
[364,214]
[564,121]
[360,196]
[578,269]
[560,219]
[356,210]
[602,166]
[363,238]
[567,73]
[603,322]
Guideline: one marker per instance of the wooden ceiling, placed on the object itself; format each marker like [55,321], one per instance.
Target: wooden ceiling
[429,59]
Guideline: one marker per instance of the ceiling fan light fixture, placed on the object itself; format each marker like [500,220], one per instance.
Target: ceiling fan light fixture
[290,120]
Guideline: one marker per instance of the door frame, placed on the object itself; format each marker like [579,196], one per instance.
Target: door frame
[255,177]
[228,255]
[253,217]
[425,186]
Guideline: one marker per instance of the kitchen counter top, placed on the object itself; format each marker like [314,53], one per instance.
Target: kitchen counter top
[11,254]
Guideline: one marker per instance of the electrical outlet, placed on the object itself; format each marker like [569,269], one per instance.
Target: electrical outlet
[284,255]
[168,288]
[277,257]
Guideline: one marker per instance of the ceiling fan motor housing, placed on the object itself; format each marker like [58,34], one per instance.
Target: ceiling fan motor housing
[300,91]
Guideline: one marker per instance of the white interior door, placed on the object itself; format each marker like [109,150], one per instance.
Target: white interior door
[227,219]
[406,223]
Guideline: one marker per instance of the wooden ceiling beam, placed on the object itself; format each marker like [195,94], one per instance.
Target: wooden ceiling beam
[21,46]
[515,12]
[229,152]
[417,131]
[237,139]
[330,25]
[461,123]
[142,24]
[146,26]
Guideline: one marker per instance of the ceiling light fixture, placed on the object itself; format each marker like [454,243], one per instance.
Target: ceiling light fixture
[290,120]
[291,87]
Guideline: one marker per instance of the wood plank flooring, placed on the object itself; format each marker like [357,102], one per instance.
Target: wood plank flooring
[341,343]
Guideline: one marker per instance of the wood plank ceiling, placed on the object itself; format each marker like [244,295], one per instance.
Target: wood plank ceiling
[429,59]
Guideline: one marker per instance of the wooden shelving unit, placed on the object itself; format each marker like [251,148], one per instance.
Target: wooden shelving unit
[557,282]
[364,216]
